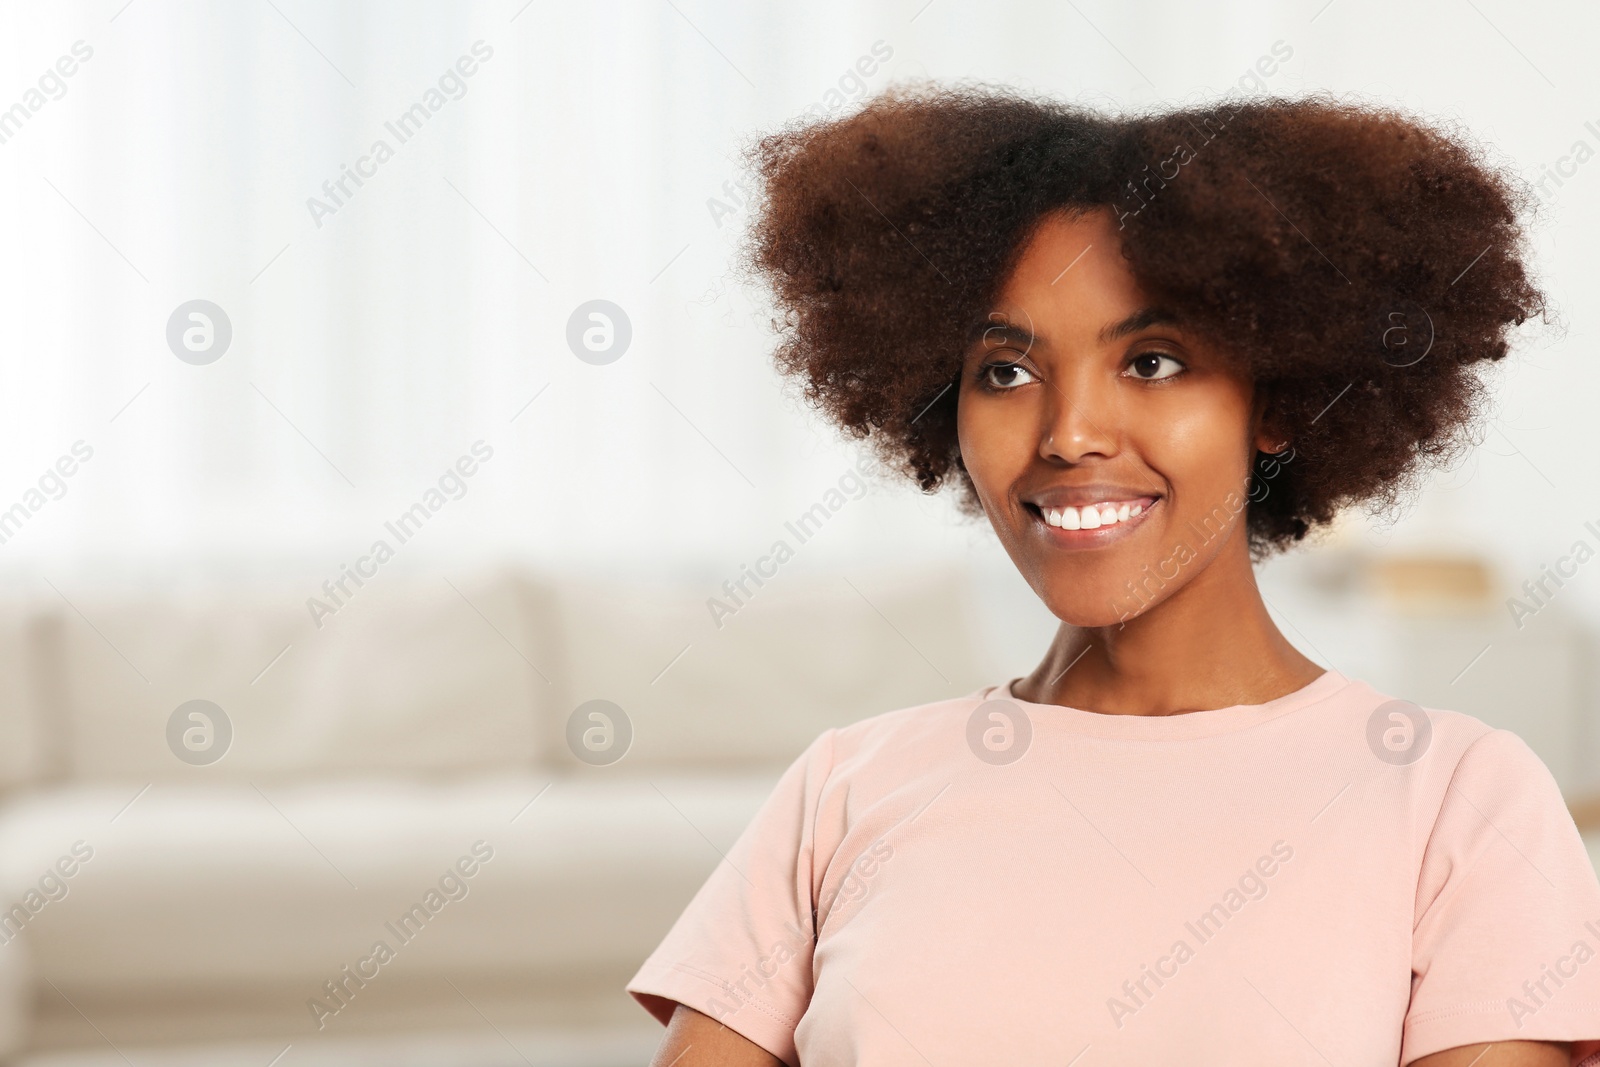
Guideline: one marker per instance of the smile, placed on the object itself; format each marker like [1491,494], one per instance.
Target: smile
[1093,524]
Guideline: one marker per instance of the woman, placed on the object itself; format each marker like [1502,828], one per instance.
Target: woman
[1149,351]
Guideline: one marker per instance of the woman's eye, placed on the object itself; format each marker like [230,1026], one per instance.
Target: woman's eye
[1154,366]
[1005,375]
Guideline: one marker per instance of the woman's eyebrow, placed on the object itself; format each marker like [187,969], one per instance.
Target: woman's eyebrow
[1001,333]
[1139,320]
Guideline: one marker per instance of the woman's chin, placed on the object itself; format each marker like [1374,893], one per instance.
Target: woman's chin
[1075,609]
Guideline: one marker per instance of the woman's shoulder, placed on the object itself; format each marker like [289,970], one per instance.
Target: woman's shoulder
[912,718]
[914,731]
[1403,731]
[1455,772]
[1432,743]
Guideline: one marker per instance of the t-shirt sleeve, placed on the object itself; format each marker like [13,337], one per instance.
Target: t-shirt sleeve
[1506,945]
[741,951]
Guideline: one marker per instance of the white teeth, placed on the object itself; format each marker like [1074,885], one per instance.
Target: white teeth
[1092,516]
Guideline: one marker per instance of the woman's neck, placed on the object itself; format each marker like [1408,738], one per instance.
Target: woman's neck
[1212,644]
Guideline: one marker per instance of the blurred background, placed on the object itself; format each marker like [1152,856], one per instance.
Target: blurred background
[378,396]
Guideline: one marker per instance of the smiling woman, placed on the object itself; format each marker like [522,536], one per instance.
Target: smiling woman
[1158,429]
[1142,405]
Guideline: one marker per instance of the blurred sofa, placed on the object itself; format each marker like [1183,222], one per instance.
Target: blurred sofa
[409,773]
[401,774]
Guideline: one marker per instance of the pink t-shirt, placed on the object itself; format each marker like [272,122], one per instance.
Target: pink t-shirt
[1332,877]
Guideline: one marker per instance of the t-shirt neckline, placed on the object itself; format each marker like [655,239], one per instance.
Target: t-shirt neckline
[1189,724]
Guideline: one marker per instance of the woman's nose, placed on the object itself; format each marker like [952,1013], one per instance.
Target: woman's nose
[1081,420]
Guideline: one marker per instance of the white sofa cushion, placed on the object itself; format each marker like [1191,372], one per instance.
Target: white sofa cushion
[202,887]
[413,673]
[31,752]
[799,656]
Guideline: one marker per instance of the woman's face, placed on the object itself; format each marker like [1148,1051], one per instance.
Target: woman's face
[1110,449]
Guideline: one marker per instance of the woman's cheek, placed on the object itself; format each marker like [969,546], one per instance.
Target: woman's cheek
[989,445]
[1202,446]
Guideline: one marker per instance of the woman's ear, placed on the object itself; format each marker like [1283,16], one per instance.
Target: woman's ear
[1270,442]
[1266,437]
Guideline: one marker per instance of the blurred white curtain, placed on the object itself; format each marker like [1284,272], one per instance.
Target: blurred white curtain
[373,346]
[369,352]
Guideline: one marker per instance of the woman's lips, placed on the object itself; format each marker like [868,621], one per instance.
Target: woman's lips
[1093,524]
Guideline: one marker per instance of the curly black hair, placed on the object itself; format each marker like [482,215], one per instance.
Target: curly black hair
[1358,261]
